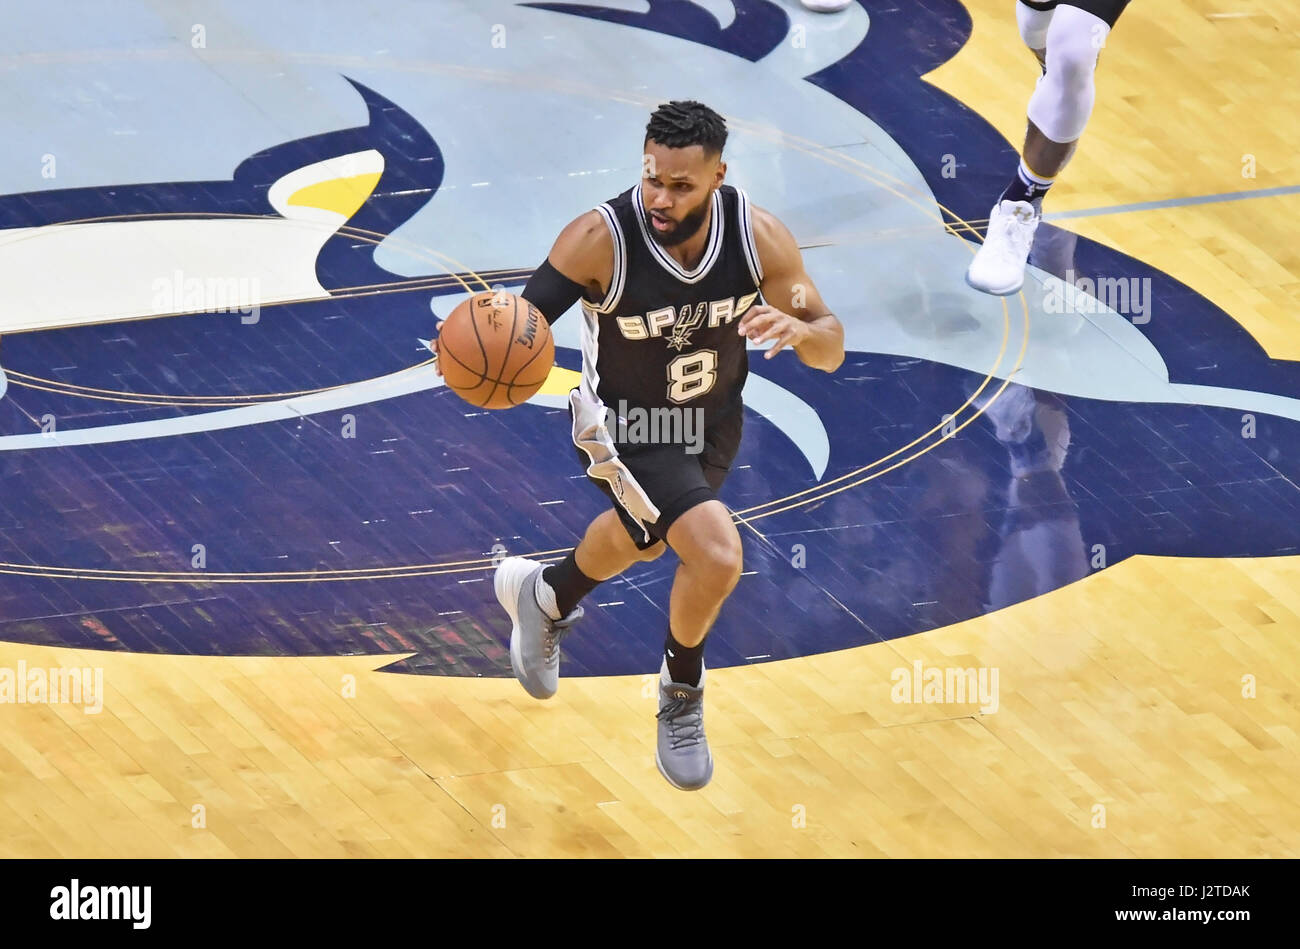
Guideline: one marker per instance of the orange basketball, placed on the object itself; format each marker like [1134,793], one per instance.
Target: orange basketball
[495,350]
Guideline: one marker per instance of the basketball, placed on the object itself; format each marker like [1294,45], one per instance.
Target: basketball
[495,350]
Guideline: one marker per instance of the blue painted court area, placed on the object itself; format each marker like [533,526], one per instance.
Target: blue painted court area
[287,476]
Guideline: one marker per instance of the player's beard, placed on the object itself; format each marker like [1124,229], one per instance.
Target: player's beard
[684,229]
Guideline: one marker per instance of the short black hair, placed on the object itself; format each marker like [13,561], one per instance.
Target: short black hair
[683,123]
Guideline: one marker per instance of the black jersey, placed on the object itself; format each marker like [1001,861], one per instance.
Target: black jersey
[664,336]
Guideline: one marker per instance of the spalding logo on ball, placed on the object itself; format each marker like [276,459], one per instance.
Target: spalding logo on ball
[495,350]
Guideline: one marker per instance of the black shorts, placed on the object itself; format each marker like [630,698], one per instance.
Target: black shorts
[1108,10]
[670,478]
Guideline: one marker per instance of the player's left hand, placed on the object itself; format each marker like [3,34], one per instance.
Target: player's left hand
[765,322]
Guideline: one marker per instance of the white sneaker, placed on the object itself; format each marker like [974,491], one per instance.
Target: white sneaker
[999,267]
[826,6]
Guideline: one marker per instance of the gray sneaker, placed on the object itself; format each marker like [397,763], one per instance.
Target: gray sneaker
[682,753]
[534,637]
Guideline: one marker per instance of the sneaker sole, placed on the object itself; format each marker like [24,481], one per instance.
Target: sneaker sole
[996,293]
[667,777]
[511,575]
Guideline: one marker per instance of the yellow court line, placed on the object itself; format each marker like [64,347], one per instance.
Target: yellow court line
[57,573]
[88,392]
[191,574]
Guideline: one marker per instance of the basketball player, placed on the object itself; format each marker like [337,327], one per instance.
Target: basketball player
[670,275]
[1067,37]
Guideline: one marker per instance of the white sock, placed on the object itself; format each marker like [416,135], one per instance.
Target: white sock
[545,597]
[1028,177]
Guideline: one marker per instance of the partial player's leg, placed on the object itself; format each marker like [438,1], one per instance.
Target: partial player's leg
[700,531]
[1071,38]
[1033,17]
[708,544]
[706,541]
[1062,104]
[605,551]
[543,600]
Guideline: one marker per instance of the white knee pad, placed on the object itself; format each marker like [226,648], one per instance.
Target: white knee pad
[1033,25]
[1062,103]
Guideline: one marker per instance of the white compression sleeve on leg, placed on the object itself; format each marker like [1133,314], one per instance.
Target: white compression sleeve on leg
[1033,25]
[1062,103]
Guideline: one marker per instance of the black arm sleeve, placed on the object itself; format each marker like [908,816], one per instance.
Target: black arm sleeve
[551,291]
